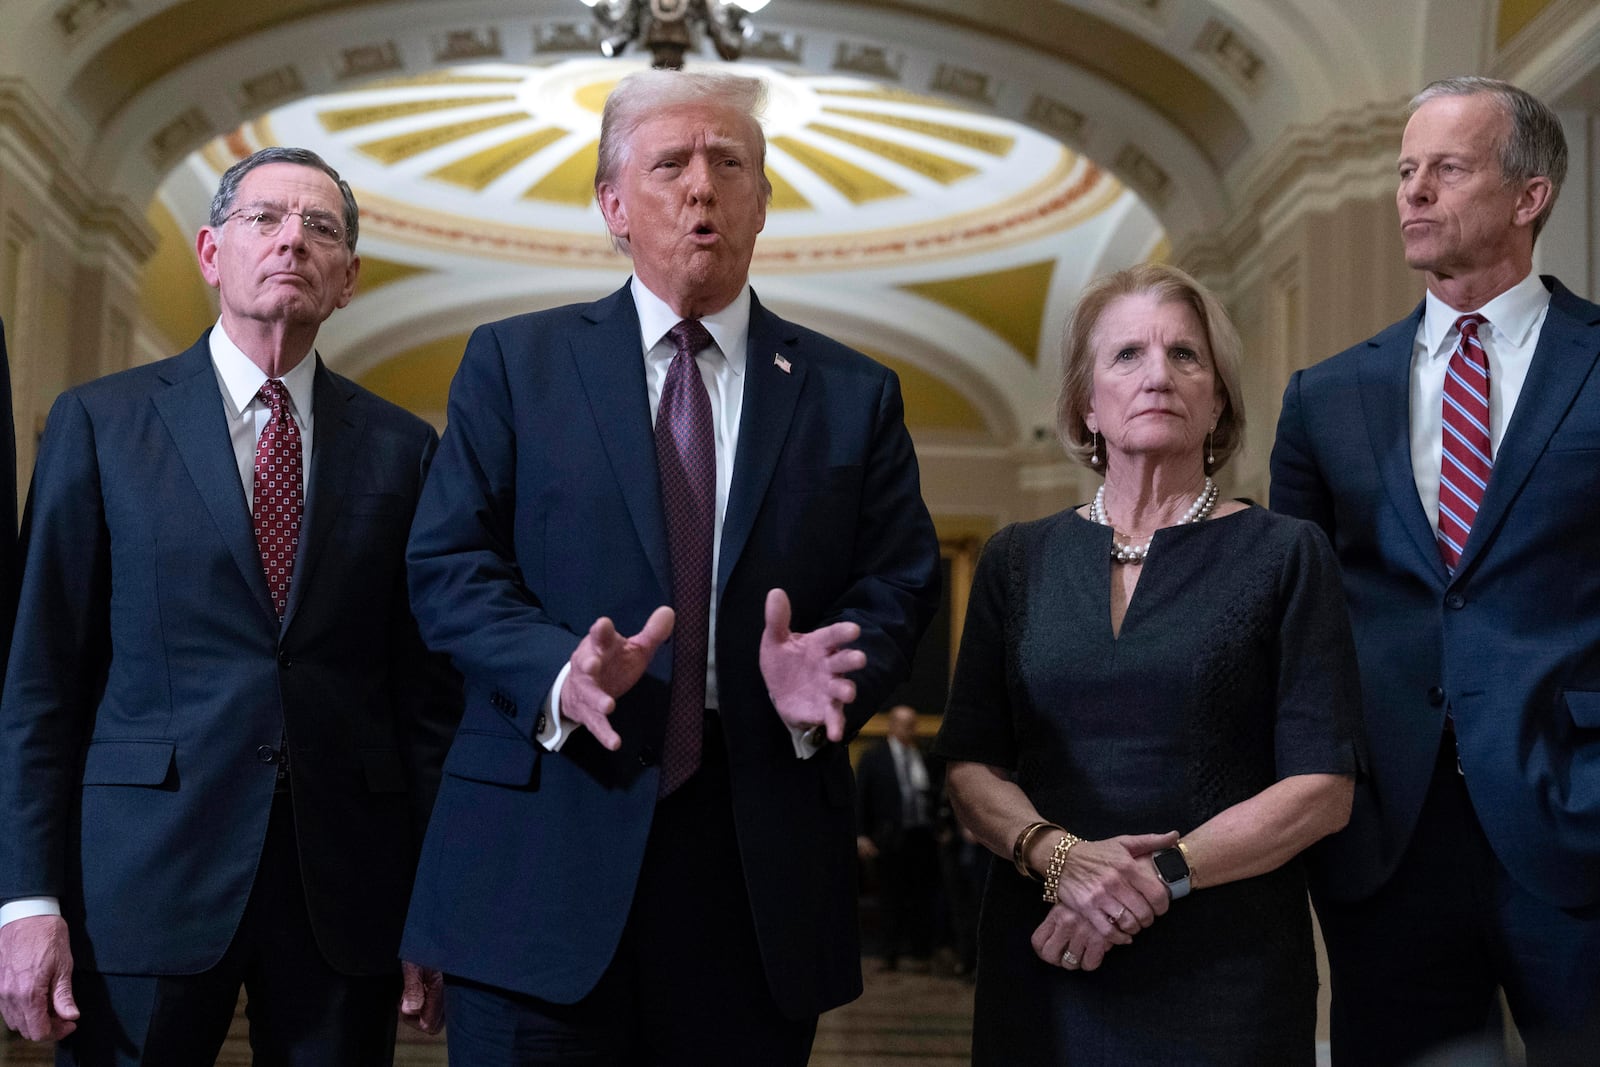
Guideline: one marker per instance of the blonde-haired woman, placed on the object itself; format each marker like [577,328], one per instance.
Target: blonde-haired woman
[1154,711]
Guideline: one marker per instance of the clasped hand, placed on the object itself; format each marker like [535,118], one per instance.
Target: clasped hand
[1109,891]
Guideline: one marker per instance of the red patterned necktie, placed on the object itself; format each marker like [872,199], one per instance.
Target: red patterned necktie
[279,493]
[687,459]
[1467,456]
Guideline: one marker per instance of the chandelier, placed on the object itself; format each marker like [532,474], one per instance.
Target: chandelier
[669,28]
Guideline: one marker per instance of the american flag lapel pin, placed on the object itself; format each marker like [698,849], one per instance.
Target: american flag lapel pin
[781,363]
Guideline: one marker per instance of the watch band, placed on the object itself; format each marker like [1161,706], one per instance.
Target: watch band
[1178,887]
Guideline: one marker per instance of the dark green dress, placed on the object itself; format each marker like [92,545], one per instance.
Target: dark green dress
[1234,668]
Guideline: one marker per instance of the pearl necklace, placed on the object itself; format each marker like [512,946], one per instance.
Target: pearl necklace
[1123,552]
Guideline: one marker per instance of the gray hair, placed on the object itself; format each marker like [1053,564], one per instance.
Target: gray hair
[228,187]
[1168,285]
[1535,147]
[645,94]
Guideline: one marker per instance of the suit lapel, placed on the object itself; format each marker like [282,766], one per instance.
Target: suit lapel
[610,365]
[1385,374]
[771,392]
[1569,343]
[191,407]
[337,426]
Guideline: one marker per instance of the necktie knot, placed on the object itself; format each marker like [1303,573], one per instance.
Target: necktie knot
[690,337]
[275,396]
[1467,326]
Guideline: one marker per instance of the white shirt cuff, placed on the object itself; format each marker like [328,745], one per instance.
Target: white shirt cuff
[807,742]
[27,908]
[554,730]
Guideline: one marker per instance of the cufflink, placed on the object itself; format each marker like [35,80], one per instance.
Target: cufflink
[817,736]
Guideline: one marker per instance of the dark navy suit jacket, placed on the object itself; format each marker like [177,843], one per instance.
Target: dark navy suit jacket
[8,505]
[1509,646]
[543,513]
[150,679]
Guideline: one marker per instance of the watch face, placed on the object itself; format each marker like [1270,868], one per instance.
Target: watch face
[1171,866]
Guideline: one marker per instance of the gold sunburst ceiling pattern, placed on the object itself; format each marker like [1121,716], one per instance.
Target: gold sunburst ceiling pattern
[498,160]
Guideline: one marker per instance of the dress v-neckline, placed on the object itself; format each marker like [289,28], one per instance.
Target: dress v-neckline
[1107,564]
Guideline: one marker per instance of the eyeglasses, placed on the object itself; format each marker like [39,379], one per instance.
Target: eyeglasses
[318,226]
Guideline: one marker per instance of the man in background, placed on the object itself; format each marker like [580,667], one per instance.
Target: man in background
[895,809]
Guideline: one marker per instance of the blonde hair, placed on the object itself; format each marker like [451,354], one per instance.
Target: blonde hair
[1168,285]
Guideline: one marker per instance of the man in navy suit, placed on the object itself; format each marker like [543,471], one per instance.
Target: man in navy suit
[643,850]
[221,733]
[8,505]
[1469,535]
[896,799]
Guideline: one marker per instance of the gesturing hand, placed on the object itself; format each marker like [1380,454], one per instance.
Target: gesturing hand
[606,665]
[36,978]
[805,672]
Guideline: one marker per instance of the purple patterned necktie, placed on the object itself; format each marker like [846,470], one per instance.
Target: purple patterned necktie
[1466,459]
[687,458]
[279,493]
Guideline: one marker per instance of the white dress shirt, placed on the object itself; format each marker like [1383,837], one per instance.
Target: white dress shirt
[239,381]
[1509,337]
[722,367]
[911,775]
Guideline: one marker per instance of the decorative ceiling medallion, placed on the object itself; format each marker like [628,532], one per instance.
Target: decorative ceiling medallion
[497,159]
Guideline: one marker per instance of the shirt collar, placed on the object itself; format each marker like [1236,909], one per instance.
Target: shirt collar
[1512,315]
[241,378]
[729,328]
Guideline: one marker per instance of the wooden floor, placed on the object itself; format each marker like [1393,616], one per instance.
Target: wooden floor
[903,1018]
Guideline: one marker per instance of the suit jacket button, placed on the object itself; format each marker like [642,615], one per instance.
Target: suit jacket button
[266,754]
[647,755]
[284,661]
[1436,696]
[538,726]
[1455,601]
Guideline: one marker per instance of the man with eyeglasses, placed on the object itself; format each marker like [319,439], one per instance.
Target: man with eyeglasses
[221,734]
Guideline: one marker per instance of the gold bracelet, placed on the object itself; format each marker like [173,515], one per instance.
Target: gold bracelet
[1019,849]
[1058,860]
[1194,879]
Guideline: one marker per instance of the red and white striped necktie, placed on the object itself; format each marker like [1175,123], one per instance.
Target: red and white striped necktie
[1467,457]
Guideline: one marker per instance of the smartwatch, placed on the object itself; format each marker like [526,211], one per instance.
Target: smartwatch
[1174,871]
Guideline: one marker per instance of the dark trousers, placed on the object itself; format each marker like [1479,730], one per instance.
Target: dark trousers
[686,986]
[302,1013]
[1416,967]
[909,880]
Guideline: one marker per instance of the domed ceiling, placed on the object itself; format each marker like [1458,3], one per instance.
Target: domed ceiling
[945,241]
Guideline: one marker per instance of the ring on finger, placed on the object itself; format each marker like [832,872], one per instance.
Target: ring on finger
[1116,920]
[1068,959]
